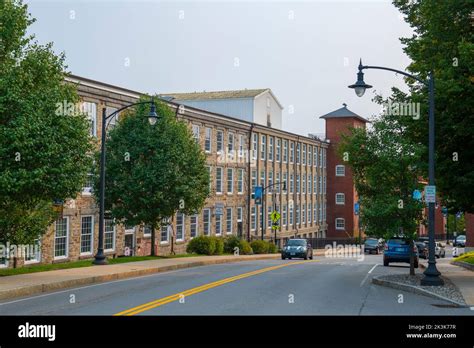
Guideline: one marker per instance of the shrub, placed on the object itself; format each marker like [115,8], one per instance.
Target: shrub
[218,245]
[272,248]
[202,245]
[259,246]
[245,248]
[230,243]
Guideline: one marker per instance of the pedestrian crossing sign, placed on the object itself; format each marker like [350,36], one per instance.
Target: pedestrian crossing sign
[275,216]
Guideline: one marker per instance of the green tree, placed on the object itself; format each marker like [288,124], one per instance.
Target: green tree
[384,162]
[443,43]
[153,171]
[44,153]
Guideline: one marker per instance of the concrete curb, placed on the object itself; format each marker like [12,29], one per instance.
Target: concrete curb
[414,289]
[465,265]
[64,284]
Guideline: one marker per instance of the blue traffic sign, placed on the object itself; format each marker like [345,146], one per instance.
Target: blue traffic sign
[258,194]
[356,208]
[417,195]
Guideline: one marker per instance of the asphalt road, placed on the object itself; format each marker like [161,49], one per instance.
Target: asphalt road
[323,286]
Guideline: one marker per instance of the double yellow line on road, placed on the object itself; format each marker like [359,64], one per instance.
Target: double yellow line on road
[162,301]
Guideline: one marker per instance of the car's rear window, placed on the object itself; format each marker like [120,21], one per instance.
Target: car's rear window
[398,241]
[296,242]
[371,242]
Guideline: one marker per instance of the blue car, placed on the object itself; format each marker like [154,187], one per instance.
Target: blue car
[398,250]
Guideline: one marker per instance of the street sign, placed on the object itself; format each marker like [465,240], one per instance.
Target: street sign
[356,208]
[219,209]
[430,194]
[275,226]
[417,195]
[275,216]
[258,194]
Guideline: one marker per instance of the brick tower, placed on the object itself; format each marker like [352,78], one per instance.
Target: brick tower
[341,193]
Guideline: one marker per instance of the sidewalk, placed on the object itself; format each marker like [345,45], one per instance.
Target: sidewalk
[40,282]
[461,277]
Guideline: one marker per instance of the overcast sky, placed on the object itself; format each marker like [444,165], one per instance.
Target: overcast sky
[307,52]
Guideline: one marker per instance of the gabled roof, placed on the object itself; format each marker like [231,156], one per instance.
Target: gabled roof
[342,113]
[241,93]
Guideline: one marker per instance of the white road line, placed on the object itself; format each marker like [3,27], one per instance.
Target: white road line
[368,273]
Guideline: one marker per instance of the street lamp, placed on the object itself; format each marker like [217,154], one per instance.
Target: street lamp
[432,275]
[100,258]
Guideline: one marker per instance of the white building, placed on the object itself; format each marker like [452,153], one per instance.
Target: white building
[252,105]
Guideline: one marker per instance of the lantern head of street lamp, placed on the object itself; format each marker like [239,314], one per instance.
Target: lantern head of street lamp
[152,116]
[360,86]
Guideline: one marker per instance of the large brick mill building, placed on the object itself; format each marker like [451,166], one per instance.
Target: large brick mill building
[240,133]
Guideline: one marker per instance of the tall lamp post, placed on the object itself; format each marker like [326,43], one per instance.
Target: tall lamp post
[432,275]
[100,258]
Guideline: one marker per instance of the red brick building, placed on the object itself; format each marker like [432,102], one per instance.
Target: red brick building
[341,193]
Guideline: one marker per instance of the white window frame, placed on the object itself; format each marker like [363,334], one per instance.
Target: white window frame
[227,220]
[339,227]
[254,146]
[114,234]
[241,145]
[292,152]
[62,257]
[340,198]
[91,236]
[340,170]
[270,148]
[240,181]
[196,132]
[219,144]
[285,151]
[87,190]
[263,147]
[206,222]
[230,144]
[181,226]
[36,259]
[240,214]
[208,140]
[219,181]
[230,181]
[253,218]
[218,232]
[167,233]
[304,155]
[193,225]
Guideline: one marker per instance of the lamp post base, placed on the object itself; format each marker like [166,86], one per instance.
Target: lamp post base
[432,276]
[100,259]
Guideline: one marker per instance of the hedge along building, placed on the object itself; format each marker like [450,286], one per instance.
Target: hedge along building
[240,155]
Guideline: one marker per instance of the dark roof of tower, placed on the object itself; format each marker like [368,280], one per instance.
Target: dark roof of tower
[342,113]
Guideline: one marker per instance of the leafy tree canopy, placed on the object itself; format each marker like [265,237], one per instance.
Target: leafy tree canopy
[44,154]
[443,43]
[153,171]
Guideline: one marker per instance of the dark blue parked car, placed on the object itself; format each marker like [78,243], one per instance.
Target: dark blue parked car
[398,250]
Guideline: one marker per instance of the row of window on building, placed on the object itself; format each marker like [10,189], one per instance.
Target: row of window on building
[277,149]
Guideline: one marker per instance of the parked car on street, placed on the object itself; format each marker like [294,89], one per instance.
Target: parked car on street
[398,250]
[422,249]
[297,248]
[460,241]
[372,245]
[440,250]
